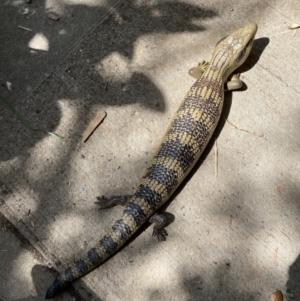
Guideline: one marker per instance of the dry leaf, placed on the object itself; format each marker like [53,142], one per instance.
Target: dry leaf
[8,84]
[277,296]
[53,16]
[254,134]
[294,26]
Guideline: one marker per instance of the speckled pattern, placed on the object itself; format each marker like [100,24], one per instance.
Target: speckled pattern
[184,142]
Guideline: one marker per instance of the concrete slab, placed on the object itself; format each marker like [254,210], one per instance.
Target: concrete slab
[33,43]
[25,273]
[235,235]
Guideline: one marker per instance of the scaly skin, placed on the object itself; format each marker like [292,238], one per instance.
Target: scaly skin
[181,147]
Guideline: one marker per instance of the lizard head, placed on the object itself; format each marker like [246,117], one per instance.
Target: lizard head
[232,51]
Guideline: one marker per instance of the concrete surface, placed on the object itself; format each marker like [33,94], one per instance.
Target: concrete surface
[29,275]
[235,235]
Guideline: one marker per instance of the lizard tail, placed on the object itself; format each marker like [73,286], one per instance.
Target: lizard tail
[122,230]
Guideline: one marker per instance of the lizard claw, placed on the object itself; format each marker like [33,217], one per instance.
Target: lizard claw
[105,202]
[160,233]
[102,202]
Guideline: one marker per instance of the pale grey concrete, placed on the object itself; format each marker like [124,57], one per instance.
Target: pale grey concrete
[25,274]
[235,235]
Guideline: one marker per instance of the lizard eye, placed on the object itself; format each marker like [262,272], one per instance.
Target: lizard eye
[241,55]
[249,43]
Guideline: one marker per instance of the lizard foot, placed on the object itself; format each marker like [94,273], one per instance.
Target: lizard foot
[160,233]
[105,202]
[159,222]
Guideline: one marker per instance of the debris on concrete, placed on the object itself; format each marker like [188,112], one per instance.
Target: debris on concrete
[277,296]
[53,16]
[25,28]
[294,26]
[93,125]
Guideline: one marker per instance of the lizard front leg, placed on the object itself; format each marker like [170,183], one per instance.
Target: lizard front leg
[198,71]
[232,83]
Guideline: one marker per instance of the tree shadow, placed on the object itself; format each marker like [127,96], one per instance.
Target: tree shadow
[78,79]
[117,36]
[293,283]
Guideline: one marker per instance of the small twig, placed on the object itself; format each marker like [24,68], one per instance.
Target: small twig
[25,28]
[295,32]
[294,26]
[275,255]
[216,158]
[254,134]
[93,125]
[105,88]
[289,239]
[286,236]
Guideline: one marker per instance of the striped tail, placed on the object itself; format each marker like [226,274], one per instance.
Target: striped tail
[181,147]
[121,231]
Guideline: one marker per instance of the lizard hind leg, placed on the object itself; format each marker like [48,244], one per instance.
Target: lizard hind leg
[159,221]
[105,202]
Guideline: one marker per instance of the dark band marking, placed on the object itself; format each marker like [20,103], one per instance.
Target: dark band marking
[136,212]
[186,124]
[82,267]
[193,103]
[196,100]
[69,275]
[55,288]
[183,124]
[150,196]
[175,150]
[122,229]
[108,244]
[163,175]
[94,257]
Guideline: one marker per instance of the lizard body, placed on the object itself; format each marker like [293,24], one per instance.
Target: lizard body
[181,147]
